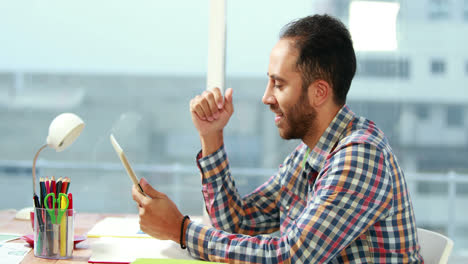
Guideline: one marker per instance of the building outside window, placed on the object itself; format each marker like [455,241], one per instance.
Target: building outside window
[439,9]
[386,68]
[437,66]
[455,116]
[465,10]
[422,112]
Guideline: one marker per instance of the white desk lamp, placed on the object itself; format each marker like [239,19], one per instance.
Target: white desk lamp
[63,130]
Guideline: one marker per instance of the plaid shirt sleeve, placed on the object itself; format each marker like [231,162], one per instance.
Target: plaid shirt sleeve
[253,214]
[352,192]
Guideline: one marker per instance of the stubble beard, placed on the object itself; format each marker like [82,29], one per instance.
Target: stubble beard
[300,120]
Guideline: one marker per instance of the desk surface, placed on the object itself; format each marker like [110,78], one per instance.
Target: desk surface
[83,223]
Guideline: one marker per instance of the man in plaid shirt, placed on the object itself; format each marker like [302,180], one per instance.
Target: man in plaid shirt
[339,197]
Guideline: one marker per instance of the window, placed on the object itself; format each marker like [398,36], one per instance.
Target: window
[437,67]
[465,10]
[342,8]
[439,9]
[455,116]
[431,188]
[389,68]
[422,112]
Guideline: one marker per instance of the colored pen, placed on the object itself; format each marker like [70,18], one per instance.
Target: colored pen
[37,204]
[37,213]
[55,237]
[55,227]
[64,185]
[49,235]
[58,189]
[53,186]
[63,229]
[70,230]
[70,204]
[39,231]
[68,185]
[43,191]
[47,185]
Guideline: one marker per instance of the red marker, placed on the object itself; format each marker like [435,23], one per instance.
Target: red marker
[70,225]
[70,204]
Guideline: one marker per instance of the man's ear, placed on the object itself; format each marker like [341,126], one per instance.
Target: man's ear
[319,92]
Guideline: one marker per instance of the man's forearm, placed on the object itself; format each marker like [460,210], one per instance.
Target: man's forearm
[211,143]
[216,245]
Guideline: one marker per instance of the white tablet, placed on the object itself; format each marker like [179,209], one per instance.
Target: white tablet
[125,162]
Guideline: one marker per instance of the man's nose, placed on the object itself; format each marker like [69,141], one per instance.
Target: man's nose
[268,97]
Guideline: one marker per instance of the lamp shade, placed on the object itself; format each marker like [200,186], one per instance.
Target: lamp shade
[63,130]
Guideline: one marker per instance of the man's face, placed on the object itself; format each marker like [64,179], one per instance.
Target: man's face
[294,116]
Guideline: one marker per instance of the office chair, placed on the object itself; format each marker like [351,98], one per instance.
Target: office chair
[435,248]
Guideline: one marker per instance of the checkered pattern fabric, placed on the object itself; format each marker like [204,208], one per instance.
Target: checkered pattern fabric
[349,203]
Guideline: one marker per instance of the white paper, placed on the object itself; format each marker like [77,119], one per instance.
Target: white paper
[118,227]
[13,253]
[4,237]
[126,250]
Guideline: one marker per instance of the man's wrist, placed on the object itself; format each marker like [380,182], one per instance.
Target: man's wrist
[184,224]
[211,143]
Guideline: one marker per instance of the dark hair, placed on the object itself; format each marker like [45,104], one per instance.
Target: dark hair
[325,52]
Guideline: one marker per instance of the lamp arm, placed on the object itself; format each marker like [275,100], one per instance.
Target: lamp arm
[34,168]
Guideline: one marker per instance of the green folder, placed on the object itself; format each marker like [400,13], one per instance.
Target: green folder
[169,261]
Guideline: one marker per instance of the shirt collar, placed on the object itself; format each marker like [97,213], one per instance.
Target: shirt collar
[329,138]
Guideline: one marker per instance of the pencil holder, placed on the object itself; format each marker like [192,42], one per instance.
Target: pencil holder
[53,233]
